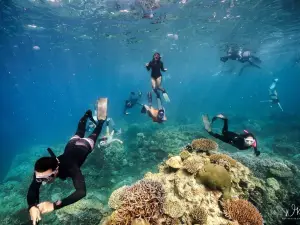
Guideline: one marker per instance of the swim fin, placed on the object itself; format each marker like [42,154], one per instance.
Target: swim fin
[166,97]
[206,122]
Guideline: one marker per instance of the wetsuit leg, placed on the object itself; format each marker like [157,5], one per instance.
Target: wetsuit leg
[225,133]
[96,131]
[82,124]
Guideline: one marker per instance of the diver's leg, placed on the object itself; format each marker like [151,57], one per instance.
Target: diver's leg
[82,124]
[158,84]
[159,105]
[94,135]
[225,126]
[149,96]
[153,83]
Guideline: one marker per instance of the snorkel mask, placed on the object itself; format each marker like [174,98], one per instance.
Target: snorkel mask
[161,114]
[48,178]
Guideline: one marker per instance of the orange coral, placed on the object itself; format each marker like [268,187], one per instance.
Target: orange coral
[204,144]
[242,211]
[142,200]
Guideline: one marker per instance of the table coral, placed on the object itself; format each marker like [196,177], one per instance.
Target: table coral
[223,160]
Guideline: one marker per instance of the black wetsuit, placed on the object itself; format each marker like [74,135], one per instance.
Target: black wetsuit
[235,56]
[75,153]
[132,101]
[236,140]
[156,67]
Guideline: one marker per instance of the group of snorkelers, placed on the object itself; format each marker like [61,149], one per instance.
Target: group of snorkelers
[246,56]
[68,165]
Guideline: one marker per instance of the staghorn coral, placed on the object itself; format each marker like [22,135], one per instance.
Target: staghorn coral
[114,201]
[199,215]
[173,207]
[142,200]
[174,162]
[204,145]
[184,154]
[242,211]
[216,177]
[223,160]
[193,164]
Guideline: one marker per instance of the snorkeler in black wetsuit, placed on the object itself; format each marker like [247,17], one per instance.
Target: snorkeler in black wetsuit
[66,165]
[240,141]
[156,65]
[132,101]
[241,56]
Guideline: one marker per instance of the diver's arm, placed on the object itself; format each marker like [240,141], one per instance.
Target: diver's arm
[33,194]
[148,66]
[79,193]
[162,67]
[253,64]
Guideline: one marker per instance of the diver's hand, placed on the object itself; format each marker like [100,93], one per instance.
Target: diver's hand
[46,207]
[165,69]
[147,64]
[35,214]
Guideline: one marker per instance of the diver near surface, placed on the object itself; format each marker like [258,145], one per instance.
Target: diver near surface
[156,65]
[241,56]
[239,141]
[273,94]
[67,165]
[132,101]
[157,115]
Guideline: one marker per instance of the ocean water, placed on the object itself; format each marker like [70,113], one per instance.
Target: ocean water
[57,57]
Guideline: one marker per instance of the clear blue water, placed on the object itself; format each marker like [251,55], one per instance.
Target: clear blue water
[89,49]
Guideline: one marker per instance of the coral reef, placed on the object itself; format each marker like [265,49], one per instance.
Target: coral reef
[193,164]
[186,198]
[204,145]
[223,160]
[144,200]
[115,201]
[174,162]
[242,211]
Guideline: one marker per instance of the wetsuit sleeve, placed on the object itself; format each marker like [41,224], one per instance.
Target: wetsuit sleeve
[162,67]
[149,66]
[33,194]
[80,188]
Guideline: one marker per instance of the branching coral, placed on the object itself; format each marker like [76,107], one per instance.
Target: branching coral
[193,164]
[114,201]
[140,221]
[242,211]
[142,200]
[199,215]
[173,207]
[204,145]
[223,160]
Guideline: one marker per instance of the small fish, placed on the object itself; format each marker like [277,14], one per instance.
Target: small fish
[36,48]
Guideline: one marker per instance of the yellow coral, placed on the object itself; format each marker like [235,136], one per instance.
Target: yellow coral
[184,154]
[140,221]
[173,207]
[242,211]
[204,145]
[193,164]
[199,215]
[114,201]
[223,160]
[174,162]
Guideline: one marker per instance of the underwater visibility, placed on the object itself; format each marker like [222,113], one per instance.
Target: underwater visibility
[150,112]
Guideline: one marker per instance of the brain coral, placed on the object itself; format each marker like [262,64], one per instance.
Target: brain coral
[173,207]
[142,200]
[216,177]
[242,211]
[199,215]
[222,160]
[193,164]
[204,145]
[114,201]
